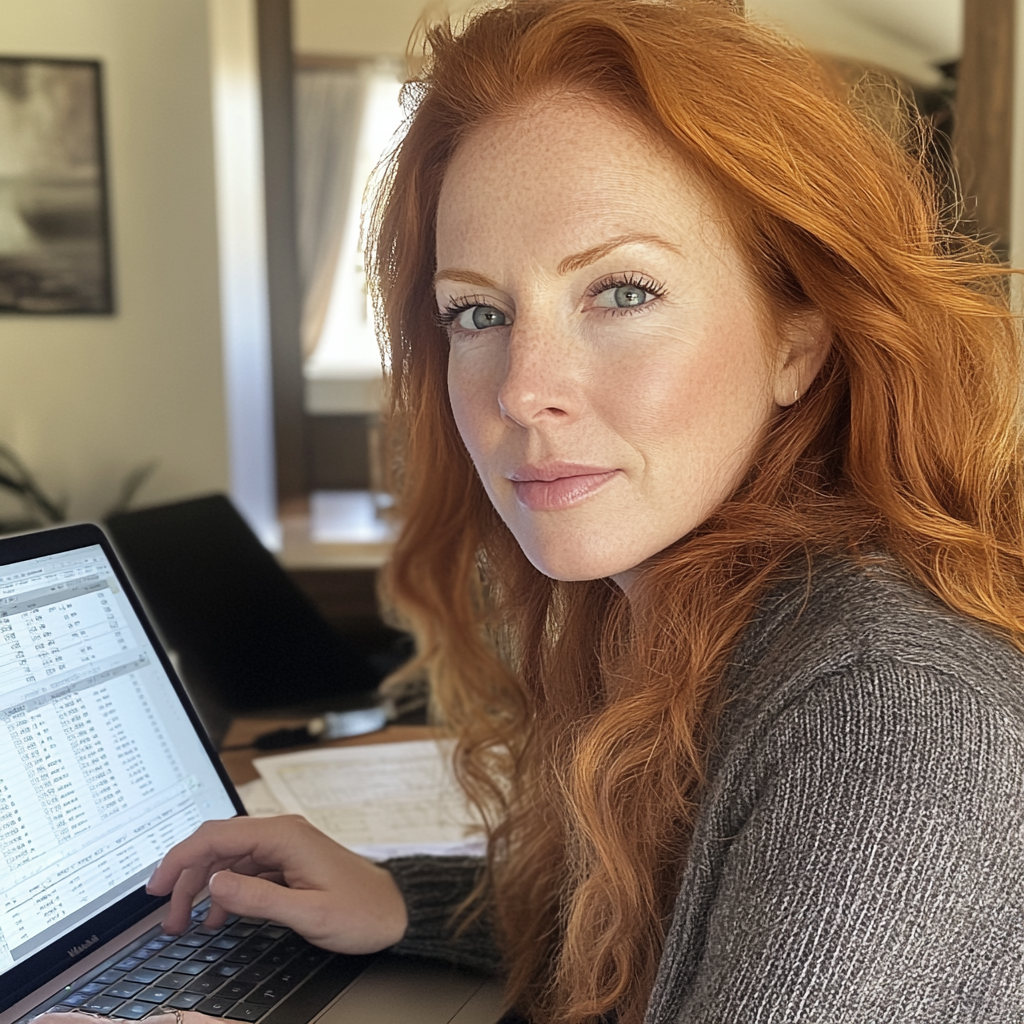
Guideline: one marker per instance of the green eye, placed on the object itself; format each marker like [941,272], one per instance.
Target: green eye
[478,318]
[629,295]
[624,295]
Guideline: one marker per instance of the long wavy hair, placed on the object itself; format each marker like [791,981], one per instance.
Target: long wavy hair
[584,722]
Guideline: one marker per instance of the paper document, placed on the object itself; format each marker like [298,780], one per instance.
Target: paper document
[380,800]
[258,800]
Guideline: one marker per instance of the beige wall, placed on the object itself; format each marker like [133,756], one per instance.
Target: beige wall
[85,399]
[909,36]
[359,28]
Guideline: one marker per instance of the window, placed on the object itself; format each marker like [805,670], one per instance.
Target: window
[346,120]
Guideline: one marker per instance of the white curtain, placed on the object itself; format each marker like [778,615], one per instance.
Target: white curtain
[329,104]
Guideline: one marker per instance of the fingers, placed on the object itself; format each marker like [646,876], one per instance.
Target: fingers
[245,845]
[213,841]
[327,894]
[179,911]
[248,896]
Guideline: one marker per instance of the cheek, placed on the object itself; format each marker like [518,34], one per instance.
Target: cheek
[694,400]
[471,401]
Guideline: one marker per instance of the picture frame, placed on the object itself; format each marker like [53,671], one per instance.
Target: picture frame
[55,251]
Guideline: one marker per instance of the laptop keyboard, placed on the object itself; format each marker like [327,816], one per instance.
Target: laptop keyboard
[240,971]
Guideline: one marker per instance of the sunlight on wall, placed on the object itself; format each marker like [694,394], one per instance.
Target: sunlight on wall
[241,226]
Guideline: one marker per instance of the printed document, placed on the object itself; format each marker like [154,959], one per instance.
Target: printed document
[381,800]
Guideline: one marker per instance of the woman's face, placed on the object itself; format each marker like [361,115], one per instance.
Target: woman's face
[609,370]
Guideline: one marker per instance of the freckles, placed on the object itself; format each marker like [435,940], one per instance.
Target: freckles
[474,409]
[458,398]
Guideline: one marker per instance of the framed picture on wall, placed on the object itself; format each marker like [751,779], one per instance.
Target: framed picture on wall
[54,221]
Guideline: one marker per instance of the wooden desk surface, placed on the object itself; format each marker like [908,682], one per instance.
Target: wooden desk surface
[244,730]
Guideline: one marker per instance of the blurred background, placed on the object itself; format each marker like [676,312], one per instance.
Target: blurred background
[239,357]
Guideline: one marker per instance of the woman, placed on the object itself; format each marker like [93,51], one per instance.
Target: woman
[710,469]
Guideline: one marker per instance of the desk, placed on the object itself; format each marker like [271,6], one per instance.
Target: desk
[339,579]
[244,730]
[300,552]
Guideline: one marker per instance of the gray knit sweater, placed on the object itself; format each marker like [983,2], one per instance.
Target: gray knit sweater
[859,856]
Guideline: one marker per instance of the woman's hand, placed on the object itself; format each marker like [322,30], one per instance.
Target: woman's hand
[287,871]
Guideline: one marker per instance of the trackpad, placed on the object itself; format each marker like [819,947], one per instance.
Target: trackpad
[403,990]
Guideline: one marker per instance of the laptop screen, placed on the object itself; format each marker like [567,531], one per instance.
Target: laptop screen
[101,768]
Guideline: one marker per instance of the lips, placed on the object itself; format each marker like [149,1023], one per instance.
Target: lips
[558,485]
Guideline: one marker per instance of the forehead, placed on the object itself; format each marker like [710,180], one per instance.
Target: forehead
[563,172]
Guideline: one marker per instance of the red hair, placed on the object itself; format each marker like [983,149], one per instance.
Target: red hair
[584,722]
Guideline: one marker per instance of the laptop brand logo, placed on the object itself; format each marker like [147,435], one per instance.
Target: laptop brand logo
[83,946]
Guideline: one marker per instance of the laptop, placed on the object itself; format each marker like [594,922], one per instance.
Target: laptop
[103,768]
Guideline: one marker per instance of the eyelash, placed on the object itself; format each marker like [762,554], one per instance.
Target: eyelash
[655,290]
[448,316]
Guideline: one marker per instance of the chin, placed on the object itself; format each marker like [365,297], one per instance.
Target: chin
[576,566]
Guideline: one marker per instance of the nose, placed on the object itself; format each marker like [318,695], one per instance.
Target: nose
[543,375]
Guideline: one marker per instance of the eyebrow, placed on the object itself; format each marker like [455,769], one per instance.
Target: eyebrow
[576,261]
[582,259]
[465,276]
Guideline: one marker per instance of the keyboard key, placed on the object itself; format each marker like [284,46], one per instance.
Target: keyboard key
[228,970]
[226,941]
[234,989]
[92,989]
[134,1010]
[124,989]
[209,955]
[101,1004]
[129,963]
[291,977]
[273,931]
[205,984]
[256,973]
[175,980]
[310,959]
[252,920]
[155,994]
[143,976]
[186,1000]
[160,963]
[215,1006]
[243,931]
[194,939]
[109,977]
[232,919]
[269,993]
[75,999]
[243,955]
[280,955]
[190,967]
[246,1011]
[178,951]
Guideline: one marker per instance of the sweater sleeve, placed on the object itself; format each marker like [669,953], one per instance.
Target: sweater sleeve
[864,864]
[433,888]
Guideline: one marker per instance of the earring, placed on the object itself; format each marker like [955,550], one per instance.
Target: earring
[796,395]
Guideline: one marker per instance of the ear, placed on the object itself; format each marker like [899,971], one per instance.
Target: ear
[806,339]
